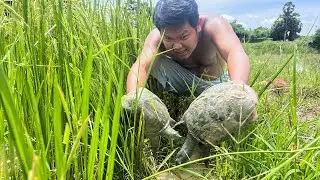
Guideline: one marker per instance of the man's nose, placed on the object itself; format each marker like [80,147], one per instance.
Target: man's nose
[177,46]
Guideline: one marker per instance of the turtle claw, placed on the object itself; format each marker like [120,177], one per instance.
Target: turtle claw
[205,152]
[186,150]
[182,157]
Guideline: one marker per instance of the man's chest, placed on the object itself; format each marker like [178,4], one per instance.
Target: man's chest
[200,66]
[206,61]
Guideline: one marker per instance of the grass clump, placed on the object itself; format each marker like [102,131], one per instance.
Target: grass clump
[62,68]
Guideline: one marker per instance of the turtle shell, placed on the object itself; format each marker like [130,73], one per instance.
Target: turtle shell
[155,113]
[219,110]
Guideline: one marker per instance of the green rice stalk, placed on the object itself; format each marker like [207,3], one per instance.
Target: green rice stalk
[95,135]
[57,123]
[34,107]
[115,128]
[23,145]
[75,145]
[105,132]
[3,160]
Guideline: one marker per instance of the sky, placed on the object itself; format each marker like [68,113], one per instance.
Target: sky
[255,13]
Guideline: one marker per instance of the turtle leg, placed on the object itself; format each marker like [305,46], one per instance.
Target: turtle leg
[155,144]
[170,133]
[187,149]
[204,152]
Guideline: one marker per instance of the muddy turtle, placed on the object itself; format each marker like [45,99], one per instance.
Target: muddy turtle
[155,114]
[218,111]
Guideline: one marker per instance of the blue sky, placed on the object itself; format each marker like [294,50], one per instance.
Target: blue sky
[255,13]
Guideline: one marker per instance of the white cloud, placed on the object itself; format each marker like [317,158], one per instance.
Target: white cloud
[251,15]
[231,18]
[267,22]
[243,24]
[304,21]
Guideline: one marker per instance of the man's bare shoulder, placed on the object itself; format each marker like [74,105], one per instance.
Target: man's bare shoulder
[214,23]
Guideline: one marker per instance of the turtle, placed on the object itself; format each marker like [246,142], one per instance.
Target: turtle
[157,120]
[215,114]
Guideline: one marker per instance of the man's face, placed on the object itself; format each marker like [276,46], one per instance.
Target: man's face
[183,39]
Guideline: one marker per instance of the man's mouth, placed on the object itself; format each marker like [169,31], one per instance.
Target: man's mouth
[181,52]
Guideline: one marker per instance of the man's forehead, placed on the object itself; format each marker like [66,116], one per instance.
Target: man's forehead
[172,33]
[176,30]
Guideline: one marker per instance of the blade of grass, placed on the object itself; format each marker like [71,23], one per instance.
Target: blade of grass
[106,125]
[275,76]
[22,143]
[3,159]
[115,129]
[228,154]
[76,144]
[37,124]
[277,168]
[260,71]
[95,135]
[57,124]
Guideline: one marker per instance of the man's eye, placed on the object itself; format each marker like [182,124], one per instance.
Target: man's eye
[185,37]
[167,38]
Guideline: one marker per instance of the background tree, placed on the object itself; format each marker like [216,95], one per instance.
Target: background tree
[135,7]
[240,31]
[259,34]
[315,43]
[287,25]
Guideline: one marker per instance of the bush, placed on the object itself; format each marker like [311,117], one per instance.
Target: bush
[240,31]
[315,43]
[259,34]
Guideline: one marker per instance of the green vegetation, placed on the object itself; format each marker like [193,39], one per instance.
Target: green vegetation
[286,27]
[62,72]
[315,43]
[259,34]
[240,31]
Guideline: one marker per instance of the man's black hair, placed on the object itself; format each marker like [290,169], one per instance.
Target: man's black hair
[175,12]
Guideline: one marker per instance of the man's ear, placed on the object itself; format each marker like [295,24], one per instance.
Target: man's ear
[200,24]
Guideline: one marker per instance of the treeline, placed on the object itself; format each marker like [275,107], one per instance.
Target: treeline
[249,35]
[286,27]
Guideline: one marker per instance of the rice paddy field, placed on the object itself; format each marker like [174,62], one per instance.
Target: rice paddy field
[63,67]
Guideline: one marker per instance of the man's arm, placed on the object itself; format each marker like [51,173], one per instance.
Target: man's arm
[230,49]
[138,73]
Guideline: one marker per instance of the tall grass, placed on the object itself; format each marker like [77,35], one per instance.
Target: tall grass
[62,72]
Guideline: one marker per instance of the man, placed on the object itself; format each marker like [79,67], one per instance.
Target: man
[194,52]
[197,50]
